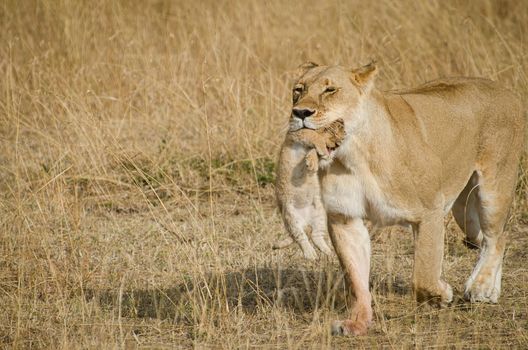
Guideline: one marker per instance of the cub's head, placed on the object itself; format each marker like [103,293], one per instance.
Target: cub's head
[323,94]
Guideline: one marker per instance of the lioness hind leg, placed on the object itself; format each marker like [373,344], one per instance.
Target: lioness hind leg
[495,197]
[466,213]
[428,257]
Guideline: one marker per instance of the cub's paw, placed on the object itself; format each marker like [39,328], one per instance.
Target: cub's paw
[309,252]
[321,244]
[312,163]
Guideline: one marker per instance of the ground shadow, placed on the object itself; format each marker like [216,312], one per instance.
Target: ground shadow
[298,290]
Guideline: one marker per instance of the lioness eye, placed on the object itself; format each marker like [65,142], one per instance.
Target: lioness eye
[330,89]
[298,90]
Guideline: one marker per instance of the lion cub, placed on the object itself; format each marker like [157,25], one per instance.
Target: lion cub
[297,187]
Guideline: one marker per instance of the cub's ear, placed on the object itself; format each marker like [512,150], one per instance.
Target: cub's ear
[305,67]
[364,76]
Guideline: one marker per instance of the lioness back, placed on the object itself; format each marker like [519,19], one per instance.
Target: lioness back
[470,99]
[473,114]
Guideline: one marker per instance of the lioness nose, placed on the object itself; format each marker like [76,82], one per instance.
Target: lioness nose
[303,113]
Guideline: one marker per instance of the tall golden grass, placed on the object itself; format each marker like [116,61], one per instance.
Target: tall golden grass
[138,141]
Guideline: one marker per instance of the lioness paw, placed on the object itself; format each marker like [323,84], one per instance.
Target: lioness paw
[483,290]
[440,296]
[348,327]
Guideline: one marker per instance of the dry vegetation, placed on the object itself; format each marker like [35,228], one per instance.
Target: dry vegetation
[138,143]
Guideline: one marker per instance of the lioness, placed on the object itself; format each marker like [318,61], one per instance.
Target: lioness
[408,158]
[297,186]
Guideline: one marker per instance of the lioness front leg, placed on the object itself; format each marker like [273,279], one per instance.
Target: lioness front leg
[428,256]
[352,244]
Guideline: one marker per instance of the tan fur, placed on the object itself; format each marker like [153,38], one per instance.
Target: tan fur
[408,158]
[297,186]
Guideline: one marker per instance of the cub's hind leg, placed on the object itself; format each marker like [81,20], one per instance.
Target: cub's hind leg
[495,196]
[466,213]
[320,228]
[297,226]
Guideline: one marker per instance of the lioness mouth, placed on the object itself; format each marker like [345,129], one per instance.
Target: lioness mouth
[331,149]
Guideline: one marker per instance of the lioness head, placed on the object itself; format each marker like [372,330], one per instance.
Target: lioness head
[323,94]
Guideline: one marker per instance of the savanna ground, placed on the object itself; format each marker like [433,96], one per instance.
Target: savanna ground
[138,144]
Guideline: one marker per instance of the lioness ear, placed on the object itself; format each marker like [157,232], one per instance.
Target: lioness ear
[364,76]
[305,67]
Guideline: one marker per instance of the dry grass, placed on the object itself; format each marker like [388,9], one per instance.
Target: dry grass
[138,141]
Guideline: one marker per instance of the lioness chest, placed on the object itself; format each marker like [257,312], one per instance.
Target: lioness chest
[355,194]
